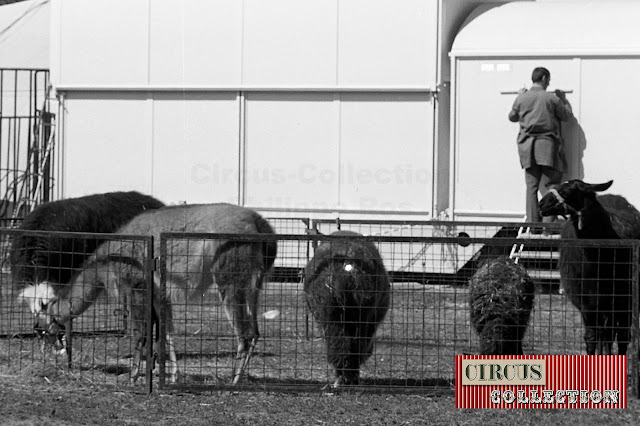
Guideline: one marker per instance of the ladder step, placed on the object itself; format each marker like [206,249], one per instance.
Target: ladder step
[543,255]
[543,274]
[530,237]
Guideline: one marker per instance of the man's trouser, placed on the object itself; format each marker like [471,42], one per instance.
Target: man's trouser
[539,178]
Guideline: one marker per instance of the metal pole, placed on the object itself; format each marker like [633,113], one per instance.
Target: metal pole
[635,319]
[149,314]
[67,334]
[162,315]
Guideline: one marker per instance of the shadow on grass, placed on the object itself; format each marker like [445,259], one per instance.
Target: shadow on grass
[221,354]
[113,369]
[291,385]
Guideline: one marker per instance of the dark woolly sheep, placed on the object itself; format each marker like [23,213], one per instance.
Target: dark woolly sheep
[625,218]
[238,267]
[597,280]
[37,257]
[501,295]
[347,291]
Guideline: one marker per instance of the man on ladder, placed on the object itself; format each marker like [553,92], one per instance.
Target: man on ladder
[539,114]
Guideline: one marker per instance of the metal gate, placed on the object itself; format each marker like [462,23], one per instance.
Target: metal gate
[29,165]
[100,347]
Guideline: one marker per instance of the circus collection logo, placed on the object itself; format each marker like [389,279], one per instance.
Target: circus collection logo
[543,381]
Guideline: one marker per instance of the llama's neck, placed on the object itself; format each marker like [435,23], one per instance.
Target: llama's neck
[593,222]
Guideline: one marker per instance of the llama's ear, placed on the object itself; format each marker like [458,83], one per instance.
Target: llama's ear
[599,187]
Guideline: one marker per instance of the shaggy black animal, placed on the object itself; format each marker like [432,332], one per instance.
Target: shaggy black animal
[501,296]
[347,291]
[625,218]
[597,279]
[37,257]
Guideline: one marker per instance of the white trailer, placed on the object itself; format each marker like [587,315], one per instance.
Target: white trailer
[592,50]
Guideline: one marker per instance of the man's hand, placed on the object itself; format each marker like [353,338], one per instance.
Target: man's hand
[559,93]
[521,91]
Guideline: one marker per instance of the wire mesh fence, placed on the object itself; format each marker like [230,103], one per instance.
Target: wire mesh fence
[426,320]
[290,225]
[51,276]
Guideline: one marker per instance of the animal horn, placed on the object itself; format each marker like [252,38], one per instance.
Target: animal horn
[599,187]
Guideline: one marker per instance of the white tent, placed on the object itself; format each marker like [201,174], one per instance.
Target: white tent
[204,101]
[24,35]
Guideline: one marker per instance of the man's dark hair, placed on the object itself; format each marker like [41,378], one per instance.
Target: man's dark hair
[539,73]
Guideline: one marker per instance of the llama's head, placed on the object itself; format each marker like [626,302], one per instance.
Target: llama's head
[38,298]
[570,197]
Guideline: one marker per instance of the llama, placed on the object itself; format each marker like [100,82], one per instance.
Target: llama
[37,257]
[596,279]
[347,291]
[501,296]
[238,267]
[122,277]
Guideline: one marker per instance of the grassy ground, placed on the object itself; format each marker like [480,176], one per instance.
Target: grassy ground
[68,401]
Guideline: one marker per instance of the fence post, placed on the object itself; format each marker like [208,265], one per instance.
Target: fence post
[635,315]
[162,315]
[68,333]
[149,313]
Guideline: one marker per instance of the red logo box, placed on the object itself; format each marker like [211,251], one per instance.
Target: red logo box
[541,381]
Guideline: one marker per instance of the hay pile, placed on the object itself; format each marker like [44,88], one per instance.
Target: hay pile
[501,297]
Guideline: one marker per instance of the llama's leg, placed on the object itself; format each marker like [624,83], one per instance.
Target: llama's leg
[173,360]
[138,331]
[240,305]
[605,339]
[239,275]
[590,332]
[133,300]
[233,310]
[170,346]
[338,344]
[251,334]
[622,320]
[590,341]
[601,335]
[137,357]
[236,309]
[606,330]
[623,340]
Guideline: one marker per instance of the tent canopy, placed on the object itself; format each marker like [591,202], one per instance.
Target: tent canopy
[579,28]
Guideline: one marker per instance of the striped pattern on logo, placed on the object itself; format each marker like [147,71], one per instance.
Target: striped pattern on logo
[563,372]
